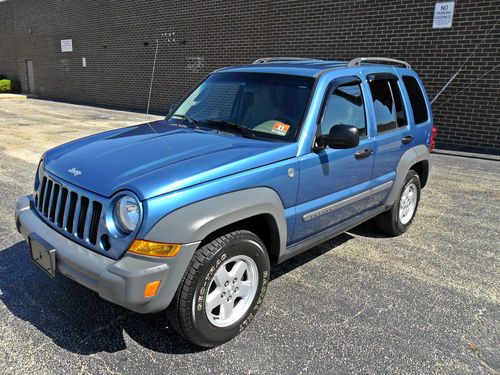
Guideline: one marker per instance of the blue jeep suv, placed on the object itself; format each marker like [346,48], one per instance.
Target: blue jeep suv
[256,164]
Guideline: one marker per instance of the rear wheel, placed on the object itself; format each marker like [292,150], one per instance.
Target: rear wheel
[398,219]
[222,289]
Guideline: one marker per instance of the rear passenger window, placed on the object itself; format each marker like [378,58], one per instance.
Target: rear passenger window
[388,105]
[416,99]
[344,107]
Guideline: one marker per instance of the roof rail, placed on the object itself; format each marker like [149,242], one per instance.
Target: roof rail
[359,60]
[281,59]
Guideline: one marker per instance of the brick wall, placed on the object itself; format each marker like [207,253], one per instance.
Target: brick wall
[117,38]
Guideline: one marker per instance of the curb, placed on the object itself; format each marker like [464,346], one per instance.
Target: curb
[471,155]
[13,96]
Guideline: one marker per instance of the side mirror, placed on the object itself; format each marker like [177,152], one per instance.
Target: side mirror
[340,136]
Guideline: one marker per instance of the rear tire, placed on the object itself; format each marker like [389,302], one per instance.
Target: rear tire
[398,219]
[222,289]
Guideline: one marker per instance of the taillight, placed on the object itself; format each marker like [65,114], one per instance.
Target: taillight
[432,143]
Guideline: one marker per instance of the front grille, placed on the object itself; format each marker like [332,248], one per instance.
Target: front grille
[68,209]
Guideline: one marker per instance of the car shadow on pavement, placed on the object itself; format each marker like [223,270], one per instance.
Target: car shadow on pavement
[77,319]
[309,255]
[369,229]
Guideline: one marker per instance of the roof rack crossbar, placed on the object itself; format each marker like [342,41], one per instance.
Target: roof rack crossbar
[359,60]
[281,59]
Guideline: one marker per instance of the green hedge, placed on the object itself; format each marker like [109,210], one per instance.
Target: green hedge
[5,85]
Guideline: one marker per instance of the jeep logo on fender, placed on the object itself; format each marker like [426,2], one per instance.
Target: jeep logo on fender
[75,172]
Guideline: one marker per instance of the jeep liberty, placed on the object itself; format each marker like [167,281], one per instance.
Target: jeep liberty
[255,165]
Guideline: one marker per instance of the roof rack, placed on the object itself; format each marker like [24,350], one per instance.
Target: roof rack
[281,59]
[359,60]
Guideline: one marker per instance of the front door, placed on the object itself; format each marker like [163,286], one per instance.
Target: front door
[30,76]
[333,182]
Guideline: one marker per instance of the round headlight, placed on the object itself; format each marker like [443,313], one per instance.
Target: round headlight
[127,213]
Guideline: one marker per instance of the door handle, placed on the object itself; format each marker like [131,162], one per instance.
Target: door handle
[407,139]
[363,153]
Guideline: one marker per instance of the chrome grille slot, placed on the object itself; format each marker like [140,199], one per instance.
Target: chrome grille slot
[94,222]
[62,207]
[42,193]
[47,198]
[72,211]
[53,201]
[84,205]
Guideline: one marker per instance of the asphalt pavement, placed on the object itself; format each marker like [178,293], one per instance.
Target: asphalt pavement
[425,302]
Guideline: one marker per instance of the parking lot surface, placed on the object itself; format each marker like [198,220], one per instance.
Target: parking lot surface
[362,303]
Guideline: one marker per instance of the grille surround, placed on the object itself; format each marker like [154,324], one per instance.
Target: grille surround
[78,214]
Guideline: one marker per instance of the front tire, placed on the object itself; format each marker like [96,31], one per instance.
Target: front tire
[398,219]
[222,289]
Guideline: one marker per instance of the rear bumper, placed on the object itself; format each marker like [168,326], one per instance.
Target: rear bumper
[119,281]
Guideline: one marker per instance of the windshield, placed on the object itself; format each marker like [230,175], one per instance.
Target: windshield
[270,105]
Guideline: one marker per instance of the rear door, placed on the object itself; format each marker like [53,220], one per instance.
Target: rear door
[394,130]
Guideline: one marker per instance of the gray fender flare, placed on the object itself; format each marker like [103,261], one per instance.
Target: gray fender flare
[194,222]
[409,158]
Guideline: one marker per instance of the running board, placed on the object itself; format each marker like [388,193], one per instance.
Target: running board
[328,234]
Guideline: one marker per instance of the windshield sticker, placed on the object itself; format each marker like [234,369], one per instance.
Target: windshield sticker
[280,128]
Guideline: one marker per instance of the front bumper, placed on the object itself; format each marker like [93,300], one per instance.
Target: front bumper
[119,281]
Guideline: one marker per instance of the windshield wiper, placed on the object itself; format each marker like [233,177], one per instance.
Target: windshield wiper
[243,130]
[191,121]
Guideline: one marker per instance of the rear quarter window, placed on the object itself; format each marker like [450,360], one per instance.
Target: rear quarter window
[417,100]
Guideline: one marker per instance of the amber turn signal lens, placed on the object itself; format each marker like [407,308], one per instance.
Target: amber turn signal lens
[151,288]
[156,249]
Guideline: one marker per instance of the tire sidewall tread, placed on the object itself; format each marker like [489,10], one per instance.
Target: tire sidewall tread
[389,221]
[187,310]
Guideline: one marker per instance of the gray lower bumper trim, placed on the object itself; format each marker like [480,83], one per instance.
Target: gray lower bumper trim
[119,281]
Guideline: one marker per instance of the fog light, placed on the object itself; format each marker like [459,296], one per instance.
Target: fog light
[151,288]
[157,249]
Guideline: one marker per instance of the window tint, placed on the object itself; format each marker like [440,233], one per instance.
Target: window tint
[416,99]
[388,105]
[344,106]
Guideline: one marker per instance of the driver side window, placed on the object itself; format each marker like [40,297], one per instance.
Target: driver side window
[345,107]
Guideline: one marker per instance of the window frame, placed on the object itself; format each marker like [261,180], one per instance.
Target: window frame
[334,84]
[422,93]
[384,76]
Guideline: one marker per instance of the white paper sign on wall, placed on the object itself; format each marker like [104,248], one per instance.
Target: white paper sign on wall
[67,45]
[443,15]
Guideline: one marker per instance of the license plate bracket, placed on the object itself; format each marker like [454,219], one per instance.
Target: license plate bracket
[43,255]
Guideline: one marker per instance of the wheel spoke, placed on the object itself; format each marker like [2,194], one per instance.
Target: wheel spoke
[238,270]
[226,309]
[213,300]
[244,289]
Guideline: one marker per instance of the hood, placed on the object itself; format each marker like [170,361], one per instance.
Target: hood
[158,158]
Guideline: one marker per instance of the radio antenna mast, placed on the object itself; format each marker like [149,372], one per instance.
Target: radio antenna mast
[154,65]
[152,76]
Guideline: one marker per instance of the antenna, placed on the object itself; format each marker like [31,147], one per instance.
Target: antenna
[152,76]
[172,34]
[152,80]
